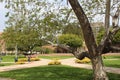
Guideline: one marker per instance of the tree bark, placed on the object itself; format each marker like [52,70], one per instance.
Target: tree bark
[86,28]
[98,69]
[95,56]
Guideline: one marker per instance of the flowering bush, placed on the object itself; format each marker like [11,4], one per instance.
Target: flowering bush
[54,62]
[20,62]
[34,59]
[26,59]
[85,60]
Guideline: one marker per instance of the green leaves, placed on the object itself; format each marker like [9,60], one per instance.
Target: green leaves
[70,40]
[116,38]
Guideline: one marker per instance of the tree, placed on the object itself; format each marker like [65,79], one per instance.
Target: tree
[94,51]
[73,28]
[47,22]
[26,39]
[71,40]
[30,25]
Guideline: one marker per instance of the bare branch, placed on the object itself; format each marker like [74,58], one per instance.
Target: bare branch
[105,39]
[115,30]
[68,14]
[115,48]
[81,55]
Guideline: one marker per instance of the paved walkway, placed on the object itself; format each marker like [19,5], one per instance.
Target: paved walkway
[6,79]
[69,62]
[42,62]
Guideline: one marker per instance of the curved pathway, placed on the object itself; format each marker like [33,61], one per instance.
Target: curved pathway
[69,62]
[42,62]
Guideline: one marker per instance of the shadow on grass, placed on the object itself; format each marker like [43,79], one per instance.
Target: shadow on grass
[53,73]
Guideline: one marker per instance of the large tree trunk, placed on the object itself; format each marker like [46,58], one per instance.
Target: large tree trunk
[99,72]
[95,56]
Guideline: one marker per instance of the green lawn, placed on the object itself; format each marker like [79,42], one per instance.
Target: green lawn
[6,64]
[8,58]
[111,57]
[53,73]
[112,63]
[56,57]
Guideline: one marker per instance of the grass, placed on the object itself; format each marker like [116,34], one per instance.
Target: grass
[53,73]
[8,58]
[6,64]
[111,57]
[112,63]
[56,57]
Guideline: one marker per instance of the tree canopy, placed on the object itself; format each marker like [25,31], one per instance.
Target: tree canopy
[30,22]
[71,40]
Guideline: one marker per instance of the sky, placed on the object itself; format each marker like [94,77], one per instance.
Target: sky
[2,17]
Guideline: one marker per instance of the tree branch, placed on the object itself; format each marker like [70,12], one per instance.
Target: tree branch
[81,55]
[115,49]
[105,44]
[68,14]
[85,26]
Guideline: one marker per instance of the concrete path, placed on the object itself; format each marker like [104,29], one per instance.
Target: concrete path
[69,62]
[6,79]
[42,62]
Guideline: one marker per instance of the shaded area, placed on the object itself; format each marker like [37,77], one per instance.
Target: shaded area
[53,73]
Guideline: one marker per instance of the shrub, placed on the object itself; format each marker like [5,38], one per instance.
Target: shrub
[22,59]
[37,49]
[71,40]
[26,59]
[34,59]
[47,51]
[85,60]
[54,62]
[20,62]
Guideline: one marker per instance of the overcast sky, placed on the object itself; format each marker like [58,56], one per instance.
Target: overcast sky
[2,17]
